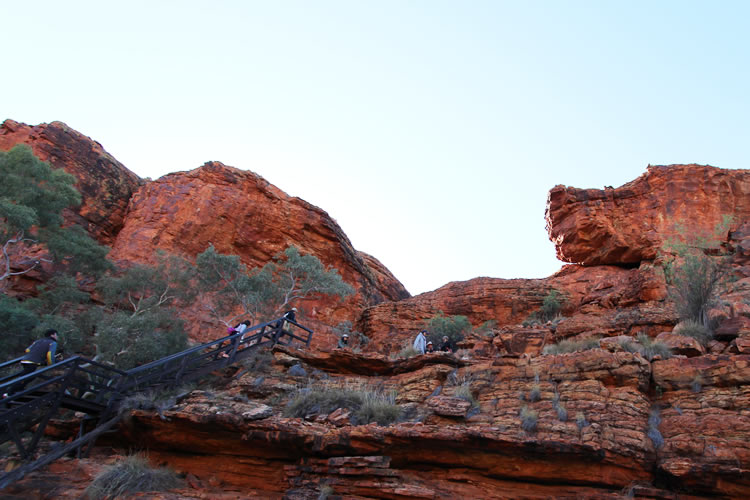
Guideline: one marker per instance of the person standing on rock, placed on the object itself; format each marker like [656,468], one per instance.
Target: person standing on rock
[343,342]
[446,346]
[420,343]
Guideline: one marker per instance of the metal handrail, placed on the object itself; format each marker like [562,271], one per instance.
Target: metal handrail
[110,385]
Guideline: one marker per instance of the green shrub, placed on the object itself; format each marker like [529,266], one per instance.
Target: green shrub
[377,407]
[325,492]
[528,419]
[464,392]
[551,305]
[647,347]
[568,346]
[535,394]
[562,412]
[366,405]
[453,327]
[407,351]
[696,330]
[158,401]
[694,277]
[130,475]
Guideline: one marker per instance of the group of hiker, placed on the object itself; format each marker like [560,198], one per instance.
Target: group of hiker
[425,346]
[421,344]
[43,351]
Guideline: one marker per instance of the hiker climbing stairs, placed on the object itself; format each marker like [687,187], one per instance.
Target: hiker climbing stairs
[85,386]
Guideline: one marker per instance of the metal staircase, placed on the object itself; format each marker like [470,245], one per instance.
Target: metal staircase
[94,389]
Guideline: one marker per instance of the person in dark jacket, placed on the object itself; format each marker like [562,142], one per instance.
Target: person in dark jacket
[446,346]
[291,315]
[41,352]
[429,347]
[343,342]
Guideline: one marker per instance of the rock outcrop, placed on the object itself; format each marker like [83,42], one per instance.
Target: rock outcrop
[105,184]
[630,224]
[240,213]
[597,301]
[589,432]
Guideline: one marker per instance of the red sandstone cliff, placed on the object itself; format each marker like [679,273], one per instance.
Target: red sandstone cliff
[629,224]
[237,442]
[240,213]
[105,184]
[181,213]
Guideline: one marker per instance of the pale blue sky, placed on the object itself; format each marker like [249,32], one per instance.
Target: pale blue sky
[430,130]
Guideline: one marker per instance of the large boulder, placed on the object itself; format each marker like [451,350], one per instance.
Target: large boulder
[631,223]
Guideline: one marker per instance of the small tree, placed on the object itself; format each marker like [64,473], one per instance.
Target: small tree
[694,277]
[139,323]
[453,327]
[32,198]
[267,291]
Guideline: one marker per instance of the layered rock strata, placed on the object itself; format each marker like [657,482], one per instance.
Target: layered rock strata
[575,425]
[105,184]
[631,223]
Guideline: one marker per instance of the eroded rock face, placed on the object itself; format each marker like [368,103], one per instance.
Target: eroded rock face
[240,213]
[629,224]
[591,436]
[598,301]
[105,184]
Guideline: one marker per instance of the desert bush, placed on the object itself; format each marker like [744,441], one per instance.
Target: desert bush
[550,311]
[366,405]
[581,421]
[325,492]
[535,394]
[696,330]
[528,419]
[407,351]
[453,327]
[695,279]
[654,419]
[130,475]
[696,385]
[647,347]
[551,305]
[297,371]
[568,346]
[486,328]
[158,401]
[259,361]
[464,392]
[377,407]
[562,412]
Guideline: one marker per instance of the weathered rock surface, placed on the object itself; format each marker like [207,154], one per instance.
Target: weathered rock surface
[105,184]
[240,213]
[629,224]
[590,438]
[602,300]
